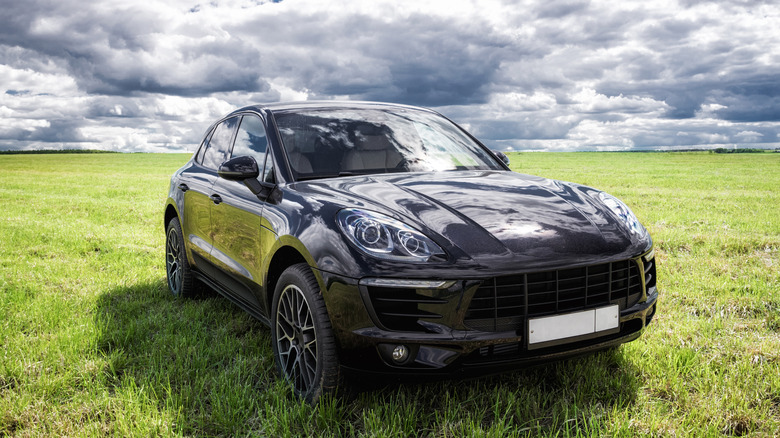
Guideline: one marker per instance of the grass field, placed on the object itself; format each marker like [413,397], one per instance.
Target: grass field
[93,344]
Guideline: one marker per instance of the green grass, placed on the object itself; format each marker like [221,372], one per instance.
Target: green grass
[93,344]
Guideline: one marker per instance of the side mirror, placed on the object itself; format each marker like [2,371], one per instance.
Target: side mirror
[502,156]
[245,169]
[239,168]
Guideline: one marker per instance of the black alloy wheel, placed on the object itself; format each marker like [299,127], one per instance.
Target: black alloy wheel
[177,267]
[302,337]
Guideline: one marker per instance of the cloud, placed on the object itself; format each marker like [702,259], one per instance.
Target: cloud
[590,102]
[561,75]
[132,49]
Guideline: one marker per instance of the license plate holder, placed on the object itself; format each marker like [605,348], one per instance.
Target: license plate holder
[568,327]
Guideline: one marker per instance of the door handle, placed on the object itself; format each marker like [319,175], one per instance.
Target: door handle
[183,187]
[216,198]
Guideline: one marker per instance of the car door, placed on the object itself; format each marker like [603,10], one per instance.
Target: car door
[237,220]
[197,182]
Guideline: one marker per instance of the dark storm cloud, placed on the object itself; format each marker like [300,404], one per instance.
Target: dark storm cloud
[119,51]
[539,129]
[422,59]
[755,98]
[746,97]
[687,73]
[433,64]
[560,9]
[114,107]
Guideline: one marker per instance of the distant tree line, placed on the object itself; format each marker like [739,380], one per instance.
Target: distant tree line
[743,151]
[60,151]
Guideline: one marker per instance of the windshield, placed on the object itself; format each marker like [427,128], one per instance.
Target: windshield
[339,142]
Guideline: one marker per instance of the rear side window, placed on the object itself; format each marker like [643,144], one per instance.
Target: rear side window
[219,144]
[202,148]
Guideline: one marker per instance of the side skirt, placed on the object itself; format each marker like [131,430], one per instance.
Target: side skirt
[250,309]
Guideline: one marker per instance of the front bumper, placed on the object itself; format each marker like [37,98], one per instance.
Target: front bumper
[437,326]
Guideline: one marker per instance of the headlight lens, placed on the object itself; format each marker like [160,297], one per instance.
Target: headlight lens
[386,238]
[623,212]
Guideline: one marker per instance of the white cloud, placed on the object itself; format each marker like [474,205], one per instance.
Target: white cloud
[749,136]
[28,81]
[518,102]
[589,101]
[709,110]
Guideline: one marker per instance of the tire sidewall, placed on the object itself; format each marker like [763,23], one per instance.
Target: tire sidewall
[185,283]
[296,275]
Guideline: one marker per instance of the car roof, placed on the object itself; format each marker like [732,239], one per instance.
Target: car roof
[326,105]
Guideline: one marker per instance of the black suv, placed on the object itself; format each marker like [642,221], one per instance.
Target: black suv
[385,239]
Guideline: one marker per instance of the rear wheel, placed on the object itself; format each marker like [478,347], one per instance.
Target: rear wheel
[302,337]
[177,267]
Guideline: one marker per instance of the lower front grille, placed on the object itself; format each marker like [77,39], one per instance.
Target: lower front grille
[505,303]
[400,308]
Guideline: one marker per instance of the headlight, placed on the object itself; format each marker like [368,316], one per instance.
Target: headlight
[623,212]
[383,237]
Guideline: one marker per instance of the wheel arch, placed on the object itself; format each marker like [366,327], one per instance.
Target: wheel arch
[282,259]
[170,213]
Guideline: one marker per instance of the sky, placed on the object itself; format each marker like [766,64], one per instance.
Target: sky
[151,76]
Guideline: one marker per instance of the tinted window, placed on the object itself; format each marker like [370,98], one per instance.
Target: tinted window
[268,174]
[251,140]
[327,143]
[202,149]
[219,145]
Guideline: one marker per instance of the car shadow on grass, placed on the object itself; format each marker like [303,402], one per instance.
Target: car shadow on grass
[206,367]
[200,361]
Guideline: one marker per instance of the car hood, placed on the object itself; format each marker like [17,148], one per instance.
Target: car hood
[495,218]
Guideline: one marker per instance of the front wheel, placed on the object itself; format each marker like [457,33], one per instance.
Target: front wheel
[302,337]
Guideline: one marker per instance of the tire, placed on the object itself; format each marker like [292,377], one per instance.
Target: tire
[302,337]
[177,267]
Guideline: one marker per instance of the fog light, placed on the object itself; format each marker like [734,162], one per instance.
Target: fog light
[400,353]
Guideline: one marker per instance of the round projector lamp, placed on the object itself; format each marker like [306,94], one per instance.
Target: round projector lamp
[400,353]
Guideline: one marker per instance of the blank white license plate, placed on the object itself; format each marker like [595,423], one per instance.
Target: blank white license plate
[553,328]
